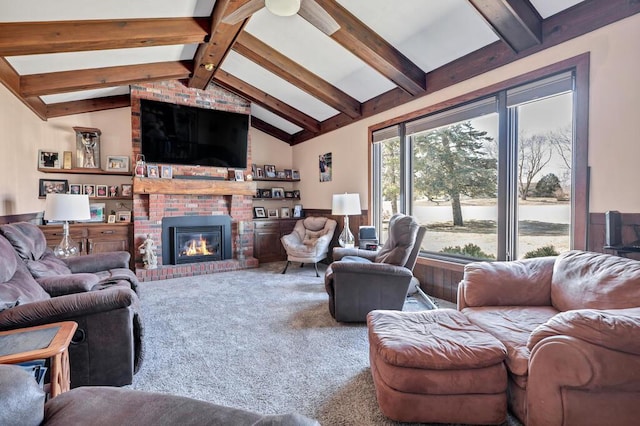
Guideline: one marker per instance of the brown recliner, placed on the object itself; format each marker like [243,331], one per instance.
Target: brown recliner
[107,346]
[72,275]
[359,281]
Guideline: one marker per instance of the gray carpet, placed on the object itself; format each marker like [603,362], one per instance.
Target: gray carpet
[258,340]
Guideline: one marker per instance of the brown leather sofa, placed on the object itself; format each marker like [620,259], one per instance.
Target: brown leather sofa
[571,327]
[107,346]
[23,404]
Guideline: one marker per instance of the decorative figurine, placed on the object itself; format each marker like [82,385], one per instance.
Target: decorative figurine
[147,250]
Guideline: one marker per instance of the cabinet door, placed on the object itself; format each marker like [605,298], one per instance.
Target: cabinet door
[106,238]
[266,244]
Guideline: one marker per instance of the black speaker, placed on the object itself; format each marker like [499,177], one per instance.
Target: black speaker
[613,228]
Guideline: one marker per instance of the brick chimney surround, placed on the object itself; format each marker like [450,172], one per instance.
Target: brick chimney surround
[190,197]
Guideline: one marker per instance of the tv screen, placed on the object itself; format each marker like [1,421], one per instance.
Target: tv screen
[178,134]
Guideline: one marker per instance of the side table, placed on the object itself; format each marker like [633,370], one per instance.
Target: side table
[44,341]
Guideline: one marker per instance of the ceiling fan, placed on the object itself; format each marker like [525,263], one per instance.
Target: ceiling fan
[307,9]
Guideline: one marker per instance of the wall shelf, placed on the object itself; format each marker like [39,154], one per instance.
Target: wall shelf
[275,180]
[192,186]
[84,171]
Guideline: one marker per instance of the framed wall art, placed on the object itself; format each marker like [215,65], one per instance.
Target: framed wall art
[87,147]
[96,211]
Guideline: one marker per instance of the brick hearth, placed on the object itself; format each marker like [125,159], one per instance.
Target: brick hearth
[149,209]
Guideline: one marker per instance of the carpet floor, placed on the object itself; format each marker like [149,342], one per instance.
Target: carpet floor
[259,340]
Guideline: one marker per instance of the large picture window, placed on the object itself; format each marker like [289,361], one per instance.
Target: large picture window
[492,178]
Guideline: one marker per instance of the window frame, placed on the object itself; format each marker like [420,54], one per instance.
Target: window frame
[579,65]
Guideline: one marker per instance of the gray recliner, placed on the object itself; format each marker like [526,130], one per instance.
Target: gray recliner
[359,281]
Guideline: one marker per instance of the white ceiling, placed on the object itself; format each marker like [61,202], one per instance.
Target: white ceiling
[430,33]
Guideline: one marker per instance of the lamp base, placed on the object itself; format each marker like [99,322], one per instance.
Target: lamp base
[346,238]
[67,247]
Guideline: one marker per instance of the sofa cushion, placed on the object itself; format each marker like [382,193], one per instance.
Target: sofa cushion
[48,265]
[512,326]
[26,238]
[402,236]
[17,286]
[587,280]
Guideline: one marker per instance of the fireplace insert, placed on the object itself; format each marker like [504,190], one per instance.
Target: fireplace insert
[195,244]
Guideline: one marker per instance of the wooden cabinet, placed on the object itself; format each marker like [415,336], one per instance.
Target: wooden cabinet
[266,244]
[93,238]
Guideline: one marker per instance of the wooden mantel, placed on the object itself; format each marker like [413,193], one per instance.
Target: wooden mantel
[192,186]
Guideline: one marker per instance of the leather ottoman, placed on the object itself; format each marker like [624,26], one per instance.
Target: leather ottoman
[436,367]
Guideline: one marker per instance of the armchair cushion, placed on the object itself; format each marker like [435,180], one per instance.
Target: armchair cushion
[617,329]
[57,285]
[21,398]
[402,236]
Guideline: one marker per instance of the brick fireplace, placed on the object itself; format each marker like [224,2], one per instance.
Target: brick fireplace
[201,195]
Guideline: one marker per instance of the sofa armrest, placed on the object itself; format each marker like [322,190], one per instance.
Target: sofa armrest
[377,269]
[616,329]
[98,262]
[21,398]
[524,282]
[562,364]
[64,308]
[340,252]
[58,285]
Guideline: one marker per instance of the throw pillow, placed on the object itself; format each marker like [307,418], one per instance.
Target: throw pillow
[311,237]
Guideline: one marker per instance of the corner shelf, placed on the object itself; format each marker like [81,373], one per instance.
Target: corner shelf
[84,172]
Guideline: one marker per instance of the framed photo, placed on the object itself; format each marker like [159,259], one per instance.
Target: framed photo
[259,173]
[126,190]
[101,190]
[111,218]
[288,194]
[285,212]
[152,172]
[96,211]
[259,212]
[117,163]
[53,186]
[295,174]
[75,188]
[266,193]
[89,189]
[277,192]
[48,159]
[258,193]
[167,172]
[296,193]
[288,174]
[297,210]
[270,170]
[281,174]
[113,191]
[239,175]
[273,213]
[123,216]
[87,147]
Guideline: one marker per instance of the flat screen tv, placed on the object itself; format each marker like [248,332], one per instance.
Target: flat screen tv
[178,134]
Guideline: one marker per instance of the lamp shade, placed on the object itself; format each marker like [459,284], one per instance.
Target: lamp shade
[66,207]
[282,7]
[346,204]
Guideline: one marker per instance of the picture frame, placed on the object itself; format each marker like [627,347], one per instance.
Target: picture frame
[272,213]
[285,212]
[295,175]
[259,213]
[75,188]
[123,216]
[101,191]
[296,193]
[126,190]
[288,194]
[277,192]
[89,189]
[48,159]
[288,174]
[239,175]
[265,193]
[270,170]
[111,218]
[117,163]
[297,210]
[167,172]
[87,147]
[281,174]
[113,191]
[52,186]
[96,211]
[152,172]
[259,173]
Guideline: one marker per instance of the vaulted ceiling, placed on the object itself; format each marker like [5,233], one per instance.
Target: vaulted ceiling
[331,64]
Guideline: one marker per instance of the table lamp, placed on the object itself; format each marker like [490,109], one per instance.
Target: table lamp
[346,204]
[66,207]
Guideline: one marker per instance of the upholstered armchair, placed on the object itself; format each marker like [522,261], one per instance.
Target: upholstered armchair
[72,275]
[359,281]
[309,241]
[107,346]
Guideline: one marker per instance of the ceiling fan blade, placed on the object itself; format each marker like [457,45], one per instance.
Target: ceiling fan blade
[243,12]
[318,17]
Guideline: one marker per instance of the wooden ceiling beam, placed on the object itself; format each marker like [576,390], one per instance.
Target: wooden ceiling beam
[375,51]
[566,25]
[70,81]
[516,22]
[210,54]
[267,101]
[87,105]
[29,38]
[270,130]
[274,61]
[11,80]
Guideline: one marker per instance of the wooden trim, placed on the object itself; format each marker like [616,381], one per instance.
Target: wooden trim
[192,187]
[441,264]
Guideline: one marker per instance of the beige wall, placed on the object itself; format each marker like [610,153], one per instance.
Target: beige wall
[614,146]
